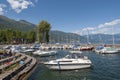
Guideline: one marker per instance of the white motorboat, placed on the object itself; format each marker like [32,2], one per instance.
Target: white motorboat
[45,53]
[109,50]
[69,62]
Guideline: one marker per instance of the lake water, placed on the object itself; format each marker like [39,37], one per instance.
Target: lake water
[105,67]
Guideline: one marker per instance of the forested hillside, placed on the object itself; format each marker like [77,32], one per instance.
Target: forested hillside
[21,25]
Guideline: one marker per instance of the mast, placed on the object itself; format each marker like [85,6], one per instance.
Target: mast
[79,38]
[113,38]
[37,34]
[101,41]
[88,36]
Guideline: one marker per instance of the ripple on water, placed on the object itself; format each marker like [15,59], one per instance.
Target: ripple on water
[105,67]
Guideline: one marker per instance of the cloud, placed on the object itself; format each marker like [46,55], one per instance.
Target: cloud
[19,5]
[84,30]
[108,24]
[109,27]
[2,6]
[112,27]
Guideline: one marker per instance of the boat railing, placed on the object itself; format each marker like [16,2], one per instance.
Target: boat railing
[85,57]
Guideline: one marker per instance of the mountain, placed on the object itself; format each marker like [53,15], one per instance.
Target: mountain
[63,37]
[21,25]
[59,36]
[104,38]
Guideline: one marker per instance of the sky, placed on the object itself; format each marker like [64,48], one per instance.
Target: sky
[78,16]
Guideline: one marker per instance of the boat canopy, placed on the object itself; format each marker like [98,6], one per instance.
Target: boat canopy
[73,56]
[99,47]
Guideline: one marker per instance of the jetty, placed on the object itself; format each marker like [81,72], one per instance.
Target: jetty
[16,67]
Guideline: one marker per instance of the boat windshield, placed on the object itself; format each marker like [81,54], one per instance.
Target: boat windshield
[99,47]
[72,56]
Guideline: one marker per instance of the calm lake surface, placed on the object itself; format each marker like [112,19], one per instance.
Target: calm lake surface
[105,67]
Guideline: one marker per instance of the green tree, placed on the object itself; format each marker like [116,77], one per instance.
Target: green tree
[2,36]
[32,36]
[43,30]
[18,34]
[9,35]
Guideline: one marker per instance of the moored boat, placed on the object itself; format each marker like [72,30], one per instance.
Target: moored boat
[109,50]
[45,53]
[69,62]
[86,48]
[98,49]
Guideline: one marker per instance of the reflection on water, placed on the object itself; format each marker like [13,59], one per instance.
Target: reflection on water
[105,67]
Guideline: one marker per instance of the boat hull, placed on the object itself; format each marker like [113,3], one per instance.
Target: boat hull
[44,54]
[109,52]
[47,54]
[86,49]
[67,66]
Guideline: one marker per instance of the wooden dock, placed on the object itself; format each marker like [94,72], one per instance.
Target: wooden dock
[17,72]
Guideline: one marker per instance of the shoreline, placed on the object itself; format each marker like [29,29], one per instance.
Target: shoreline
[94,45]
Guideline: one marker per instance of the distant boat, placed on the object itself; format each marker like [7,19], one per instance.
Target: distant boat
[98,49]
[45,53]
[7,47]
[109,50]
[36,46]
[76,47]
[69,62]
[86,48]
[29,50]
